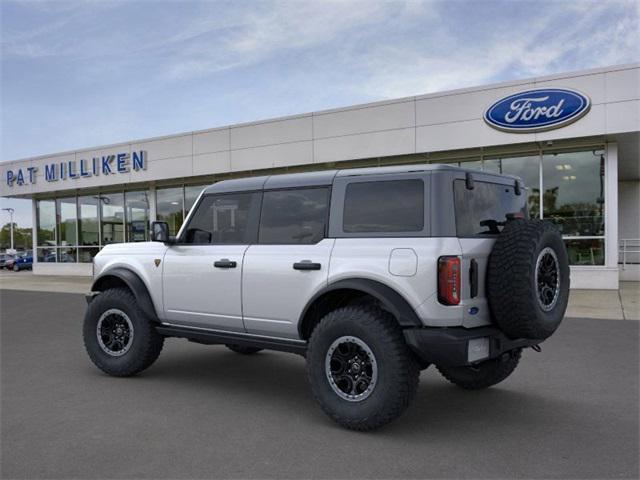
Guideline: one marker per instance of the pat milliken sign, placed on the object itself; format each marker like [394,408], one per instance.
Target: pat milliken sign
[537,110]
[105,165]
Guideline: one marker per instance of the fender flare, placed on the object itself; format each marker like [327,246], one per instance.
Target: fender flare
[135,284]
[391,300]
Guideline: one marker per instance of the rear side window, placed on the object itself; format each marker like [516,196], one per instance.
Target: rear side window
[384,206]
[296,216]
[224,219]
[484,209]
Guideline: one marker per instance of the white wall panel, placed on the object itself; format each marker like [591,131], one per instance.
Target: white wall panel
[271,156]
[461,107]
[361,120]
[166,168]
[623,116]
[212,141]
[178,146]
[379,144]
[623,85]
[592,85]
[271,133]
[207,163]
[593,123]
[469,134]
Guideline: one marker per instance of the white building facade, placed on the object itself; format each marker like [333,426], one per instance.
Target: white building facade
[581,169]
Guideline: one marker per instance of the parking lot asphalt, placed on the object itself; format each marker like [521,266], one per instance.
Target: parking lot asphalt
[206,412]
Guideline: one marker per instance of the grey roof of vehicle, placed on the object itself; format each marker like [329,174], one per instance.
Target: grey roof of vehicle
[326,177]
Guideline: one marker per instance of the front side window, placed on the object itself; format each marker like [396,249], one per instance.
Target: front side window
[296,216]
[484,209]
[384,206]
[224,219]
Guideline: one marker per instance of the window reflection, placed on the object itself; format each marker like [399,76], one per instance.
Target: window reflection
[137,216]
[585,251]
[574,192]
[169,207]
[46,220]
[112,215]
[528,169]
[190,196]
[88,220]
[67,221]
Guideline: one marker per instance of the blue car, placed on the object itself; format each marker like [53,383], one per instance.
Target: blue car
[23,262]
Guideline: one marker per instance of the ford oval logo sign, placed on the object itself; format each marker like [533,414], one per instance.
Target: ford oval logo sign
[537,110]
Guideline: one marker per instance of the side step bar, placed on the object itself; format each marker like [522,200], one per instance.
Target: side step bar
[214,337]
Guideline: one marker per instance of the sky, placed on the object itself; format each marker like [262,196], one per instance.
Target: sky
[87,73]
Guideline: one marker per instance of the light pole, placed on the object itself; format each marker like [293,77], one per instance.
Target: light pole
[10,210]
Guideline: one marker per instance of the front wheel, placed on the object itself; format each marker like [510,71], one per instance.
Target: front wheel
[16,268]
[360,369]
[485,374]
[118,337]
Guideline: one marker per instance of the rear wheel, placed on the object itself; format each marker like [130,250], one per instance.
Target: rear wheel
[244,350]
[118,337]
[16,268]
[361,371]
[485,374]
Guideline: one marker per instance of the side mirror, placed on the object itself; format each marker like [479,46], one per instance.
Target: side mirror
[160,232]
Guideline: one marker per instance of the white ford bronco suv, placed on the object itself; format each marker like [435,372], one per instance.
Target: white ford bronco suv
[371,274]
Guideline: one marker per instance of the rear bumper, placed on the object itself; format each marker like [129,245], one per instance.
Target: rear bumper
[457,346]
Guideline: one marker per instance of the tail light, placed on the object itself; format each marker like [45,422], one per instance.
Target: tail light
[449,280]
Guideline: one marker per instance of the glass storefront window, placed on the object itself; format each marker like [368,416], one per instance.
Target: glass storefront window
[112,218]
[191,195]
[137,216]
[67,221]
[66,255]
[88,220]
[574,192]
[169,207]
[86,254]
[46,218]
[46,255]
[585,251]
[527,168]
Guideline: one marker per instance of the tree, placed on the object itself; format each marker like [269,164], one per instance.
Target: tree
[22,237]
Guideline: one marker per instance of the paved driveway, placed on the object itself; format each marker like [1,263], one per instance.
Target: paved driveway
[571,411]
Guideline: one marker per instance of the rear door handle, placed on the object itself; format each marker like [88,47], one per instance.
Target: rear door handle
[306,265]
[225,263]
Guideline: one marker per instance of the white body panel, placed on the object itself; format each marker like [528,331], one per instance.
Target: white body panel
[479,250]
[198,294]
[273,293]
[140,258]
[387,260]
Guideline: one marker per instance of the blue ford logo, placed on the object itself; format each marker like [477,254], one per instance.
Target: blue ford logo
[537,110]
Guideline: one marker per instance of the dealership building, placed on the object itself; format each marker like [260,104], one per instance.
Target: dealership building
[573,138]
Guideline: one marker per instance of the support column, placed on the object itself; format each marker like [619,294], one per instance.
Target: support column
[611,207]
[34,233]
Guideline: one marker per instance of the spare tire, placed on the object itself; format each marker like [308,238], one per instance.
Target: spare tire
[528,279]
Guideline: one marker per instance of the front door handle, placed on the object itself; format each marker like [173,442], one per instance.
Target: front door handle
[306,265]
[225,263]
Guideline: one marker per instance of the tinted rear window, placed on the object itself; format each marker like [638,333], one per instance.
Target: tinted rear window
[385,206]
[481,211]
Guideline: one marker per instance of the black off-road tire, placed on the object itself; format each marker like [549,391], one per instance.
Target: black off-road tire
[511,279]
[242,349]
[397,370]
[484,374]
[146,344]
